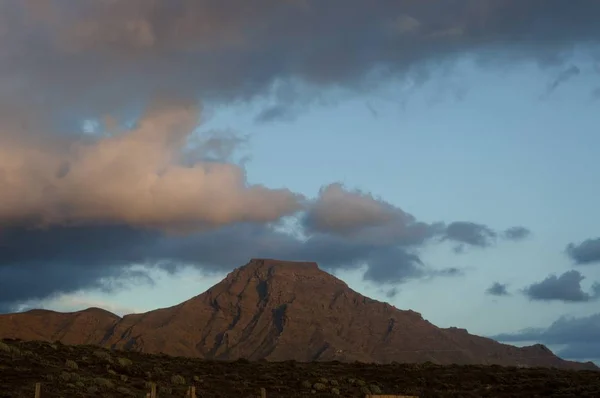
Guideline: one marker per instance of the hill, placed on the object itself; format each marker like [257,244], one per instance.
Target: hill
[278,310]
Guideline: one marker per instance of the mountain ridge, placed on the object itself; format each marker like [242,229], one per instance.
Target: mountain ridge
[279,310]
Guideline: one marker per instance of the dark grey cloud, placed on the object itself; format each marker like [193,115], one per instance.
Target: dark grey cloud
[516,233]
[566,287]
[578,335]
[470,233]
[37,263]
[89,58]
[563,77]
[498,289]
[391,293]
[586,252]
[275,113]
[465,234]
[394,265]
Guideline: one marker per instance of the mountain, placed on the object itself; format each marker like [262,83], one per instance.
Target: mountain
[279,310]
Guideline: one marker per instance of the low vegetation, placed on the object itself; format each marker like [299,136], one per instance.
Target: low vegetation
[89,371]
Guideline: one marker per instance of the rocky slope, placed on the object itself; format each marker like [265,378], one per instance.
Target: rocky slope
[279,310]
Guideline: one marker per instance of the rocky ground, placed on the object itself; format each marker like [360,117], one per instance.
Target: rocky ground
[89,371]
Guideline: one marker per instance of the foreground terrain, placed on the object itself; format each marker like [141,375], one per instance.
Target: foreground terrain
[90,371]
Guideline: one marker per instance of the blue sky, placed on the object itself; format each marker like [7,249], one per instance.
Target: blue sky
[490,144]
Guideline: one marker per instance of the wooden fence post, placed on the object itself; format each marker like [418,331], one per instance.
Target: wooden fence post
[153,390]
[191,392]
[38,390]
[263,392]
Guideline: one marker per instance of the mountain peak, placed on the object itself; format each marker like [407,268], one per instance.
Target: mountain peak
[277,278]
[268,269]
[274,265]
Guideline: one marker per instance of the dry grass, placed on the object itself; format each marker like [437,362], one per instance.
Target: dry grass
[87,371]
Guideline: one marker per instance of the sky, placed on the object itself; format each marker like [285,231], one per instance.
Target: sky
[440,156]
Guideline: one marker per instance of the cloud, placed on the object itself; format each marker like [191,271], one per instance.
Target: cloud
[76,57]
[566,287]
[516,233]
[498,289]
[391,293]
[274,113]
[586,252]
[466,233]
[470,233]
[579,335]
[137,177]
[562,78]
[340,229]
[37,263]
[359,216]
[148,187]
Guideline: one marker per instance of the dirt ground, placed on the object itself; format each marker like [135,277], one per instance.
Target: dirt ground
[88,371]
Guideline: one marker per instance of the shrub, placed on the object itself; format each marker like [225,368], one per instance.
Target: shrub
[123,378]
[177,379]
[102,355]
[15,351]
[319,387]
[71,364]
[124,362]
[335,391]
[75,377]
[125,391]
[102,382]
[4,347]
[306,384]
[375,389]
[65,376]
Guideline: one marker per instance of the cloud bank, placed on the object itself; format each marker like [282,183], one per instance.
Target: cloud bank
[578,335]
[79,208]
[84,213]
[77,55]
[137,178]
